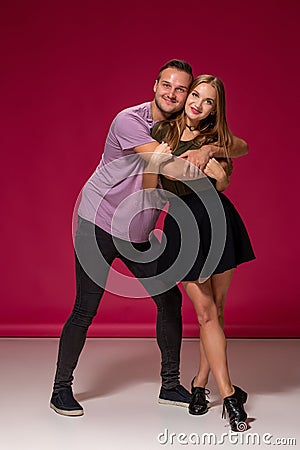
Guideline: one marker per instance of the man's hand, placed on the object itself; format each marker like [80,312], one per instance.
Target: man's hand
[196,160]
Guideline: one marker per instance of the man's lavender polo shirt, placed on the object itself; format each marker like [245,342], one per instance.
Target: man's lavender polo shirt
[113,198]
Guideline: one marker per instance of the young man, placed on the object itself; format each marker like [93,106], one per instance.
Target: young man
[117,177]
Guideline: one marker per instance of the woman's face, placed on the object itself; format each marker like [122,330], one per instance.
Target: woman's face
[200,103]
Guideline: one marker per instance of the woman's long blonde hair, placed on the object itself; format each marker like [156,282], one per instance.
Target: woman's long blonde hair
[213,129]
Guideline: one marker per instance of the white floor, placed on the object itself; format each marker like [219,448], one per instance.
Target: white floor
[117,382]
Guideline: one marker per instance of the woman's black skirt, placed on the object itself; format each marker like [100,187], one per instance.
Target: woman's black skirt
[205,235]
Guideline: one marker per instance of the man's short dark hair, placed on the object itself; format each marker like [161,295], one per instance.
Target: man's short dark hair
[178,64]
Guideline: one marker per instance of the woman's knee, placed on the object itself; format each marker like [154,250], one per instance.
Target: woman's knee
[207,314]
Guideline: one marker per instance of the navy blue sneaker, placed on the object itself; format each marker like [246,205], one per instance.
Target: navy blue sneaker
[64,403]
[178,396]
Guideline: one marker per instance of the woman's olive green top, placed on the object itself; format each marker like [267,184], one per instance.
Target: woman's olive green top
[177,187]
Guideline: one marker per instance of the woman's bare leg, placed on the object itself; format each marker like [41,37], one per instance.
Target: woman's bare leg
[212,335]
[220,284]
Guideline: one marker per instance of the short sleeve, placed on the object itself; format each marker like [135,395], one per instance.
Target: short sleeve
[131,130]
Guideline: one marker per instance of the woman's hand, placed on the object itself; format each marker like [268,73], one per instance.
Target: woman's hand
[214,170]
[161,154]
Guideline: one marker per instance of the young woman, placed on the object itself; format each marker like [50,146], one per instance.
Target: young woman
[203,122]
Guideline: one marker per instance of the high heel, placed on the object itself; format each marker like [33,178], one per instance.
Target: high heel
[234,405]
[198,403]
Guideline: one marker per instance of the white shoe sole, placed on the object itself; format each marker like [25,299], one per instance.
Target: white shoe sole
[63,412]
[172,402]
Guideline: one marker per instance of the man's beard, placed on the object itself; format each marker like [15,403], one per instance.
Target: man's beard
[170,114]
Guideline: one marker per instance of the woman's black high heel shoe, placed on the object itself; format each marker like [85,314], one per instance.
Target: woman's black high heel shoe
[198,403]
[234,405]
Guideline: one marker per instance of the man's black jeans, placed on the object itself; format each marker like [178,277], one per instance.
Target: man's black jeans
[89,294]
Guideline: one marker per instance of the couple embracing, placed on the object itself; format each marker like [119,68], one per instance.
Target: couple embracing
[177,148]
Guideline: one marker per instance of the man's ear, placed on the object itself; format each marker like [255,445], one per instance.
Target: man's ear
[155,86]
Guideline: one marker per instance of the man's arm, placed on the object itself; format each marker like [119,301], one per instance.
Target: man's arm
[238,148]
[200,157]
[173,168]
[152,169]
[146,150]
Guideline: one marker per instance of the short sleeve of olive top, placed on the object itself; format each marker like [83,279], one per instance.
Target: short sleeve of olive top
[177,187]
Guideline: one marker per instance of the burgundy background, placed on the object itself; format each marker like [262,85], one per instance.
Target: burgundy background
[66,69]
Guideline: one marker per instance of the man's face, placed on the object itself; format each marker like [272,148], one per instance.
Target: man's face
[171,91]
